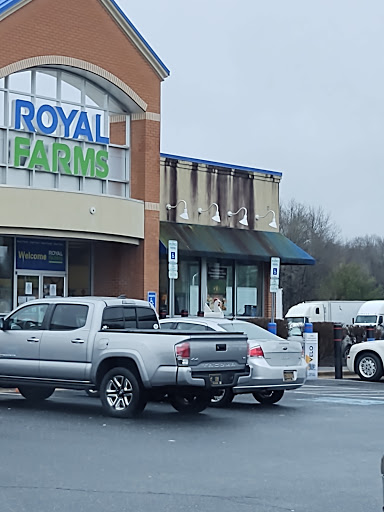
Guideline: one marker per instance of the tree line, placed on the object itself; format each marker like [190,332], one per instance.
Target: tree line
[344,270]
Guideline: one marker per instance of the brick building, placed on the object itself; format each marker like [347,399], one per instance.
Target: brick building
[83,187]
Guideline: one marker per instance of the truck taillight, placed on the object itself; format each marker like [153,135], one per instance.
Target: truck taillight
[256,352]
[183,352]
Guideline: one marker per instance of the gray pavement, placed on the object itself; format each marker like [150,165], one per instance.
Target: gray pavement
[318,450]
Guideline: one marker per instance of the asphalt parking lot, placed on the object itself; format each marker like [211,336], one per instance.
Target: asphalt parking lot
[319,449]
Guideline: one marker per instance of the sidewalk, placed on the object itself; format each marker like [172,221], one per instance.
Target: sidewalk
[328,372]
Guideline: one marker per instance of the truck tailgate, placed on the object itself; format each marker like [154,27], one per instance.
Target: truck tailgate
[218,351]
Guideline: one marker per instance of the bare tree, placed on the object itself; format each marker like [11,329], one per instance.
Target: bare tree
[313,230]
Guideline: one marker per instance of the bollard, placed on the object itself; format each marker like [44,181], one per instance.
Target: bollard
[308,327]
[371,333]
[382,476]
[272,327]
[184,312]
[337,337]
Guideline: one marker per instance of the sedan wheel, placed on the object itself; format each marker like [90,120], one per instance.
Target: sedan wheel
[189,403]
[268,397]
[121,394]
[369,367]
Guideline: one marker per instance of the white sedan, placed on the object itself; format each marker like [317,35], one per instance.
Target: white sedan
[366,359]
[276,364]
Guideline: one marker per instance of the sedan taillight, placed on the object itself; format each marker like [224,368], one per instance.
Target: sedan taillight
[256,352]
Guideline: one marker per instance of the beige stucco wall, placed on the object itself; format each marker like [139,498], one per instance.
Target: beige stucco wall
[201,184]
[68,214]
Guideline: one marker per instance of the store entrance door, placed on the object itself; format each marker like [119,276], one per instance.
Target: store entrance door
[38,285]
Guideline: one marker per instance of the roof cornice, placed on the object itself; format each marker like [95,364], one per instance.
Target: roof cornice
[136,38]
[10,7]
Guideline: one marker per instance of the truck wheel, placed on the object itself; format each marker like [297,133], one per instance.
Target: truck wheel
[93,393]
[369,367]
[35,394]
[122,396]
[190,403]
[222,398]
[269,396]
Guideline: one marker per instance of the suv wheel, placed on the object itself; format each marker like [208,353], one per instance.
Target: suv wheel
[121,394]
[35,394]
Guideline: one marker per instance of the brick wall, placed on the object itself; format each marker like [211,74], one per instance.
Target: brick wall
[83,29]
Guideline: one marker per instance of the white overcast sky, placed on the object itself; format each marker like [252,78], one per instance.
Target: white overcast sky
[288,85]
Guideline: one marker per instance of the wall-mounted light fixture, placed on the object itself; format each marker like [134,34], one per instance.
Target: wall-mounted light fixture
[216,217]
[183,215]
[273,221]
[244,220]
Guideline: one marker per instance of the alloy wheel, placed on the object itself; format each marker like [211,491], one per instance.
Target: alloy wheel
[119,392]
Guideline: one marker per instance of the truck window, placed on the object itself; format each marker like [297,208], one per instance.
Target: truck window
[113,318]
[68,317]
[28,318]
[146,318]
[130,317]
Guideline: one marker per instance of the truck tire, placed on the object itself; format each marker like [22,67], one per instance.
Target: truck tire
[35,394]
[93,393]
[369,367]
[190,403]
[121,394]
[269,396]
[222,398]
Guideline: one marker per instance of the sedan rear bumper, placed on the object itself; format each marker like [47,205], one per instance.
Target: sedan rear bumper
[264,376]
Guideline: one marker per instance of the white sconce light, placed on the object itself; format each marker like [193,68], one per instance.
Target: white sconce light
[273,221]
[216,217]
[244,220]
[183,215]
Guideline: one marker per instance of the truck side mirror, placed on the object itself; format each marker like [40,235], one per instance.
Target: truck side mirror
[380,320]
[2,324]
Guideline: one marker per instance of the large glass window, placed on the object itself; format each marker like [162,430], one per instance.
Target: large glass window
[187,286]
[220,285]
[6,274]
[67,96]
[248,290]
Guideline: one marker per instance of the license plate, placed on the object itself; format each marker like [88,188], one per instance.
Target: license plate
[289,375]
[215,379]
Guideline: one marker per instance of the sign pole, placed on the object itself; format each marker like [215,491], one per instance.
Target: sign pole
[171,297]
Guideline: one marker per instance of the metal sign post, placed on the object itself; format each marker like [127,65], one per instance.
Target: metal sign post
[173,273]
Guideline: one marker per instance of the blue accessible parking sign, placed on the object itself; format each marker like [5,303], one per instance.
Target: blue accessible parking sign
[151,297]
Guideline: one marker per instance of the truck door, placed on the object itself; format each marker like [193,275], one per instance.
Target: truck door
[20,341]
[63,348]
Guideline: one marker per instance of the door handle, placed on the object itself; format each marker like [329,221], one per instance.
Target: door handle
[33,340]
[77,340]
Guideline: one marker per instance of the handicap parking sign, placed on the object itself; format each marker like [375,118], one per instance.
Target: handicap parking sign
[151,297]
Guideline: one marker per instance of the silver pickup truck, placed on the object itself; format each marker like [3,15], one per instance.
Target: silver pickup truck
[116,347]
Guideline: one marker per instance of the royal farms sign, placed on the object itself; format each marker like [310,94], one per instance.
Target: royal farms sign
[83,158]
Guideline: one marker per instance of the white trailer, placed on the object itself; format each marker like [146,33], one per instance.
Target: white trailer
[336,311]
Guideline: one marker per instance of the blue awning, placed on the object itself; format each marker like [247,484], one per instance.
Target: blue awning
[239,244]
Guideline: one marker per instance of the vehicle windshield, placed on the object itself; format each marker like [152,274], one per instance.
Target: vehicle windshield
[366,319]
[296,320]
[254,332]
